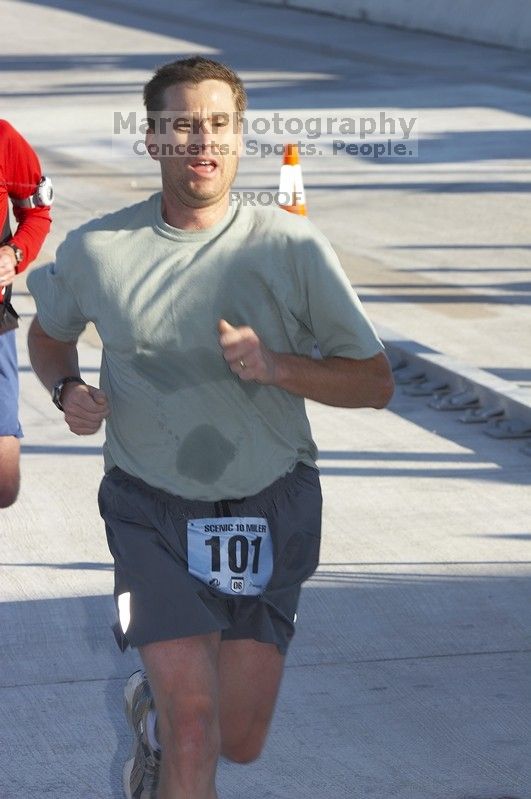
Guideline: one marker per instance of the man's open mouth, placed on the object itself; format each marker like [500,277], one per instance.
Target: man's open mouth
[204,166]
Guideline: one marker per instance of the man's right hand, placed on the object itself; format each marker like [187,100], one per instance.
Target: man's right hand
[85,408]
[8,266]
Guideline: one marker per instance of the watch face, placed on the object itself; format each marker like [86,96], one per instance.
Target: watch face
[44,193]
[56,394]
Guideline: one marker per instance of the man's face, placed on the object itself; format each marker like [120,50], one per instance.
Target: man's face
[206,141]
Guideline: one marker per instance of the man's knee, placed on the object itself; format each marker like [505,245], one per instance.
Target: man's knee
[9,488]
[9,470]
[8,497]
[245,749]
[190,723]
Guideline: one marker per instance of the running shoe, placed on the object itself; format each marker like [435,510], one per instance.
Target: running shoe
[141,771]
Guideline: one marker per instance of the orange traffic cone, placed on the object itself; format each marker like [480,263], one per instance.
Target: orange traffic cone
[291,188]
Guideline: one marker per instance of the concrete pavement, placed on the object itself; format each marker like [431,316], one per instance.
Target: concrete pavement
[409,674]
[437,247]
[500,22]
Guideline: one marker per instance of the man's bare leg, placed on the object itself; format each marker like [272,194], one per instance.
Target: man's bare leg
[183,675]
[249,680]
[210,698]
[9,470]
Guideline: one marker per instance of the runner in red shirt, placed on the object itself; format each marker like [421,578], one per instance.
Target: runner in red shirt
[21,181]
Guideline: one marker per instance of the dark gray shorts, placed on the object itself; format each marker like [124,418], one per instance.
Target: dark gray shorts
[159,599]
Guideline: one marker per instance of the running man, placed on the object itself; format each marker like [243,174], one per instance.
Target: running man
[207,312]
[30,194]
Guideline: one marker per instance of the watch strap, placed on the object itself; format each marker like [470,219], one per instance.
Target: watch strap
[28,202]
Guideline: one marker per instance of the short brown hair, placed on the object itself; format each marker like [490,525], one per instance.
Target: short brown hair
[192,70]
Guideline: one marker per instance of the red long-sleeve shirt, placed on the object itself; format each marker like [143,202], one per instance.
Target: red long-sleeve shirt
[20,172]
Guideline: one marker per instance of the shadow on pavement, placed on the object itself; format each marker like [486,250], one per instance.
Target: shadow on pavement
[389,666]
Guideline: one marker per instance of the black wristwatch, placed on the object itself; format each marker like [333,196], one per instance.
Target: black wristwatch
[58,389]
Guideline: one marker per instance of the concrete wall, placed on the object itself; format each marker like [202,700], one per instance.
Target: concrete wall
[502,22]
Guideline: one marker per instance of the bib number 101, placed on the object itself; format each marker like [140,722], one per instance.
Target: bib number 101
[231,554]
[238,549]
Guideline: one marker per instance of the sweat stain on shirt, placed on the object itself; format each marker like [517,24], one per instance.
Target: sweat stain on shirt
[205,454]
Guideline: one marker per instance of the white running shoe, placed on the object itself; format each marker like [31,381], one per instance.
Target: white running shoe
[141,771]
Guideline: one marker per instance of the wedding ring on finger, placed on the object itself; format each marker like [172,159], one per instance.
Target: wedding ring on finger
[242,363]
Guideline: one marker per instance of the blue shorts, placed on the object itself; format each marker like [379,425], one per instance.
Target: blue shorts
[9,423]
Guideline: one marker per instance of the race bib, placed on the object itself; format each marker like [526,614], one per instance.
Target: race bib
[233,554]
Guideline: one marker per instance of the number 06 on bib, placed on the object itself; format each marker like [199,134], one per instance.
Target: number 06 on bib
[233,554]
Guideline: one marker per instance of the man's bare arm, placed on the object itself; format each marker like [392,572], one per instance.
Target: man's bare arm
[85,406]
[51,359]
[342,382]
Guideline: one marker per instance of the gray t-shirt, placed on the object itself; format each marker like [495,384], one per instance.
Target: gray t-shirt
[180,419]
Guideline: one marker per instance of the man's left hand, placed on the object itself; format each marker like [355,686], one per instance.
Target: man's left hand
[8,265]
[246,355]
